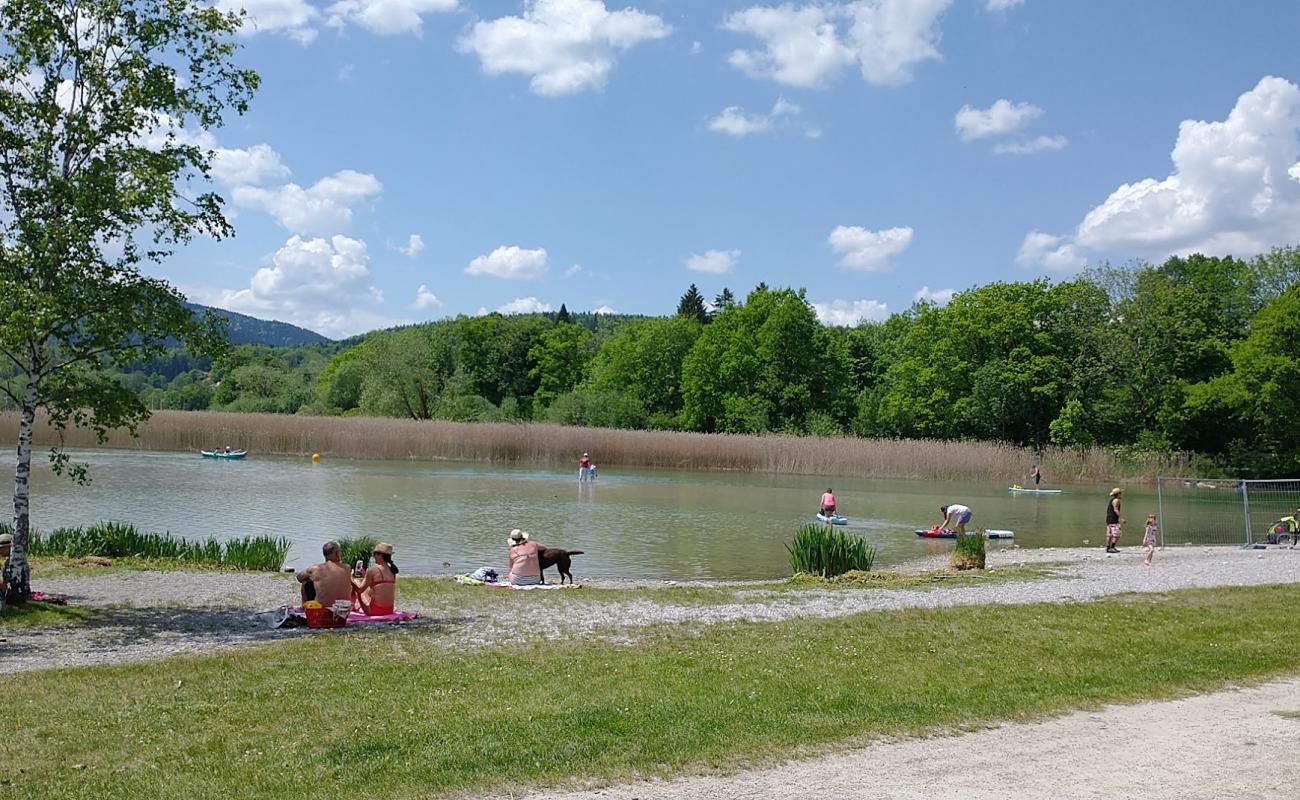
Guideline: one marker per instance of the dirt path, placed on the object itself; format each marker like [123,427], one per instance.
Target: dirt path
[1231,744]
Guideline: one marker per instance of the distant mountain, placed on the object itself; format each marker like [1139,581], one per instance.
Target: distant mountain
[250,330]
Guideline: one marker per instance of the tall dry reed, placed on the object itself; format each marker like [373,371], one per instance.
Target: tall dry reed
[555,445]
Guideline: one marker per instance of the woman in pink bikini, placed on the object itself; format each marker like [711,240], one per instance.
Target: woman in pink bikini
[377,592]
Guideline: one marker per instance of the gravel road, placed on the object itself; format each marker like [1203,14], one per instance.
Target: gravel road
[182,612]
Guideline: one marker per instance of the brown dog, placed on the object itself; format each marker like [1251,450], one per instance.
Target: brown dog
[554,556]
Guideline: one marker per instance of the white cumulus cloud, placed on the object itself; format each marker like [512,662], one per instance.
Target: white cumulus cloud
[848,313]
[1230,191]
[413,247]
[809,45]
[717,262]
[1002,5]
[734,121]
[1035,145]
[940,297]
[322,284]
[862,249]
[521,305]
[324,207]
[425,299]
[999,119]
[297,19]
[386,17]
[512,263]
[566,46]
[247,166]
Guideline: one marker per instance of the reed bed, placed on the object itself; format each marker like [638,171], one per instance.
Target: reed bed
[556,445]
[114,540]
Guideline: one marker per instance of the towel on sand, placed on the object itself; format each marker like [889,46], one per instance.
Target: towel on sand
[360,617]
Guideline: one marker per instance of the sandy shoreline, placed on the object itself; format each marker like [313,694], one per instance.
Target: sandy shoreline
[175,613]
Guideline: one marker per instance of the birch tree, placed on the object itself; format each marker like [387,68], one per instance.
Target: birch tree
[103,170]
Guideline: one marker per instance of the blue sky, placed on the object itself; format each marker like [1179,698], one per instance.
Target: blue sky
[605,155]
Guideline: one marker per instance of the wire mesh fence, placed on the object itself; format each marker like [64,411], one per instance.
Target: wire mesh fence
[1216,511]
[1272,511]
[1201,511]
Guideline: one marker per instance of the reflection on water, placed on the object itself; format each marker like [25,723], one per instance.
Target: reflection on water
[630,523]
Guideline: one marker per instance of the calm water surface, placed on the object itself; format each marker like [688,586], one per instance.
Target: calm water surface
[632,523]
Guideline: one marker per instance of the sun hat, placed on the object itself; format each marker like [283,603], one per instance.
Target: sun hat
[1116,491]
[517,536]
[383,547]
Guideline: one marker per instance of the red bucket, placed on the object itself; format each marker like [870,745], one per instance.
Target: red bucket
[324,617]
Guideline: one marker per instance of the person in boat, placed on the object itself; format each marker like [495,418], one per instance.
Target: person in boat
[584,467]
[828,504]
[328,581]
[227,449]
[525,568]
[955,517]
[377,590]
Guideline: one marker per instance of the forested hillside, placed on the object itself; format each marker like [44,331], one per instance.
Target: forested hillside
[1197,353]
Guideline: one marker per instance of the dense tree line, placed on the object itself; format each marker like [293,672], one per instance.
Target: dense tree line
[1198,353]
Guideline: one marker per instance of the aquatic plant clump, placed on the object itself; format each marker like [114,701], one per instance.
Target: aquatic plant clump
[352,550]
[117,540]
[969,551]
[818,550]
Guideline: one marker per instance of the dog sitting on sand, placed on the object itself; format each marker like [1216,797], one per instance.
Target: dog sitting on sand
[558,558]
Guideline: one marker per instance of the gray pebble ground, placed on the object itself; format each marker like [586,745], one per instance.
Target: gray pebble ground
[174,613]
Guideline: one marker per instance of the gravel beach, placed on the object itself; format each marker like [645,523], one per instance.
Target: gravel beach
[174,613]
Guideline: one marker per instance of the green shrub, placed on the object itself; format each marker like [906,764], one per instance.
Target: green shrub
[359,549]
[969,551]
[824,551]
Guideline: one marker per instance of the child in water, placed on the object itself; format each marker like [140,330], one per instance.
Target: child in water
[1149,537]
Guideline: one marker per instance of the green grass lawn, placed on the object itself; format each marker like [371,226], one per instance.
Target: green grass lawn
[327,715]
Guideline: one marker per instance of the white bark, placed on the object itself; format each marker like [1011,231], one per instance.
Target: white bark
[17,574]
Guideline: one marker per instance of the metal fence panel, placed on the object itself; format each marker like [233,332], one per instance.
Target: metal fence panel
[1270,505]
[1201,511]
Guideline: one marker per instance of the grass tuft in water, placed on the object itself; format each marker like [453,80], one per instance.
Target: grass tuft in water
[821,550]
[117,540]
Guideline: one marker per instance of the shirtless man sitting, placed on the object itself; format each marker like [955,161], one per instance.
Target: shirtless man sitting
[327,581]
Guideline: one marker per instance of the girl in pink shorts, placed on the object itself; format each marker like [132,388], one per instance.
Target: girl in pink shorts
[1149,537]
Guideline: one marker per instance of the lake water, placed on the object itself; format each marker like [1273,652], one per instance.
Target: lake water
[632,523]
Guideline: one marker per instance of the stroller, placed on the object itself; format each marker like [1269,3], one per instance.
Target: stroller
[1283,531]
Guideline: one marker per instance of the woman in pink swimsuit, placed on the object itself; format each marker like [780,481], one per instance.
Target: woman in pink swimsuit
[377,592]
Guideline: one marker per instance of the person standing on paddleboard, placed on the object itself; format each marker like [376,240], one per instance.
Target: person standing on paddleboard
[1037,475]
[828,504]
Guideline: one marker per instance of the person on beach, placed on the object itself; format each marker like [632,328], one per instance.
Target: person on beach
[377,591]
[328,581]
[828,504]
[1114,520]
[6,547]
[584,467]
[1149,537]
[955,517]
[525,568]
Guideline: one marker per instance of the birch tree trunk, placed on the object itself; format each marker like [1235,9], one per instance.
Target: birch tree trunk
[17,573]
